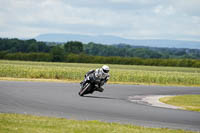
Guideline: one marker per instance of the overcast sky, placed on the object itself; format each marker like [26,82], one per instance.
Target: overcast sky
[134,19]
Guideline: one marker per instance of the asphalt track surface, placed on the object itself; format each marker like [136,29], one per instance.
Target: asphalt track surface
[62,100]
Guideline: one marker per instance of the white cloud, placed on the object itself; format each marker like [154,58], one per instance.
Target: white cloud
[127,18]
[196,20]
[158,9]
[121,1]
[170,10]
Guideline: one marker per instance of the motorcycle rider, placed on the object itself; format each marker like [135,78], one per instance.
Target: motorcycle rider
[99,76]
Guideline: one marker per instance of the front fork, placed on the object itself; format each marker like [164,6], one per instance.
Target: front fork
[84,81]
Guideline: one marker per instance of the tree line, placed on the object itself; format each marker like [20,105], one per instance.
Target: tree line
[124,50]
[74,51]
[83,58]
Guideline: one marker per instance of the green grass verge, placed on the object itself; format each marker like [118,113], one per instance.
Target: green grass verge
[17,123]
[128,74]
[187,102]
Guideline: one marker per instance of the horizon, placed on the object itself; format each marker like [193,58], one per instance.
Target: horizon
[113,40]
[130,19]
[115,36]
[153,39]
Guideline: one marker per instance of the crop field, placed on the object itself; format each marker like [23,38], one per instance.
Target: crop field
[130,74]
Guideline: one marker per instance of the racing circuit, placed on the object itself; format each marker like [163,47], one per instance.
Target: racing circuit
[113,105]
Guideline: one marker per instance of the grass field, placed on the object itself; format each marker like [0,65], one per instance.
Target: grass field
[129,74]
[187,102]
[16,123]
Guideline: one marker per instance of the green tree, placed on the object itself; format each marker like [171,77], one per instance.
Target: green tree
[33,47]
[73,47]
[57,54]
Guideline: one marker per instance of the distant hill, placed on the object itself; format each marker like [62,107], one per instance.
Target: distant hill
[51,37]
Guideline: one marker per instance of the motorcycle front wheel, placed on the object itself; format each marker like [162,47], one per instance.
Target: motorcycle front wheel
[84,89]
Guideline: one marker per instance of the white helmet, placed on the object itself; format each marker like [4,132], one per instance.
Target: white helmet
[105,68]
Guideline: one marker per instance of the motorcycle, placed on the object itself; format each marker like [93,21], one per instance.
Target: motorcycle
[89,87]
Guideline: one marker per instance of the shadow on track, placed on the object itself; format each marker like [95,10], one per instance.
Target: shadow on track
[103,97]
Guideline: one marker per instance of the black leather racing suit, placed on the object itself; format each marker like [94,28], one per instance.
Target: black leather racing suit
[98,77]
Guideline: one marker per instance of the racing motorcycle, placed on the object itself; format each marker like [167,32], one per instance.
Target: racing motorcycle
[89,85]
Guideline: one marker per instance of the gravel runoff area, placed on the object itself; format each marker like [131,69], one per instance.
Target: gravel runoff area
[152,100]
